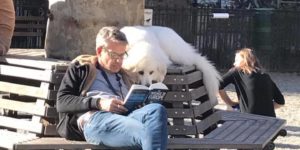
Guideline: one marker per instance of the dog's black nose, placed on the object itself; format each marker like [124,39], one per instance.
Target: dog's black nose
[154,81]
[147,84]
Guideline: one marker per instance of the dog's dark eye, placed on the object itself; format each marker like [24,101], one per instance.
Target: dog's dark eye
[151,72]
[141,72]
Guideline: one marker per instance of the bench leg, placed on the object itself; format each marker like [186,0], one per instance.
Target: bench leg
[269,146]
[282,132]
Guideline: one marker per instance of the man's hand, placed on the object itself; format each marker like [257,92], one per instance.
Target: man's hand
[113,105]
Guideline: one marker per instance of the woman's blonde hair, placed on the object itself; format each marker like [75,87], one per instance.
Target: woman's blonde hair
[250,62]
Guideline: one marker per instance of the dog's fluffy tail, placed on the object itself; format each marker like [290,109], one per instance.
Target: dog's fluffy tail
[211,77]
[181,52]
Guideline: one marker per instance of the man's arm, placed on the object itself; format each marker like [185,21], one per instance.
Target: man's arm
[69,99]
[276,105]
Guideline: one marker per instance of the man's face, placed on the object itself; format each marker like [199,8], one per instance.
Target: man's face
[111,56]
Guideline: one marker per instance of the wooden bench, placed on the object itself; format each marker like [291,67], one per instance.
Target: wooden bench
[30,86]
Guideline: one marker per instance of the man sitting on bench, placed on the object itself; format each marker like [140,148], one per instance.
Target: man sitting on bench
[90,106]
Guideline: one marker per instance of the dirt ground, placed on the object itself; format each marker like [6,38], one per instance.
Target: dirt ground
[289,84]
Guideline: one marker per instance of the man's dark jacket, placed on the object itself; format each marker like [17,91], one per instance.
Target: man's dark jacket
[71,97]
[71,103]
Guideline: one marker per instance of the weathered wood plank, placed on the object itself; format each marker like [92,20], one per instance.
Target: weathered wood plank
[27,33]
[175,96]
[9,138]
[208,122]
[55,143]
[275,128]
[202,108]
[175,69]
[50,130]
[35,62]
[180,113]
[21,124]
[239,129]
[30,26]
[243,137]
[30,18]
[28,108]
[194,143]
[198,92]
[182,130]
[216,132]
[27,90]
[183,79]
[27,52]
[28,73]
[229,130]
[264,127]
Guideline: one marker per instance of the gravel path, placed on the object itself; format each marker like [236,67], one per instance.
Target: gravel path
[289,84]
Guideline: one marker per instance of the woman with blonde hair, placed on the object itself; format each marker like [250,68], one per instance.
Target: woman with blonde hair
[256,91]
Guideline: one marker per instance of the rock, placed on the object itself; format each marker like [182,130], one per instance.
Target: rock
[73,24]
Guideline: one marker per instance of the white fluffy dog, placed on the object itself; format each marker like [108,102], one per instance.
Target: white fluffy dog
[153,48]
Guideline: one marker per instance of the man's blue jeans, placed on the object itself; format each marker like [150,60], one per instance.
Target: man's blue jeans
[144,128]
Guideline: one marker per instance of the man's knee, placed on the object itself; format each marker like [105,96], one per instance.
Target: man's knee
[158,109]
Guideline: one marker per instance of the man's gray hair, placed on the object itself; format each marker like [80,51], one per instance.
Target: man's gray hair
[109,33]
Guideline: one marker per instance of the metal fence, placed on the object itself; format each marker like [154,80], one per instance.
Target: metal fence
[34,8]
[274,34]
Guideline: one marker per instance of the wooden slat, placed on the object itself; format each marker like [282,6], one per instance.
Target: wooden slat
[175,96]
[9,138]
[175,143]
[180,113]
[275,128]
[175,69]
[50,130]
[27,108]
[55,143]
[239,129]
[41,75]
[216,132]
[183,79]
[29,26]
[230,130]
[21,124]
[233,115]
[27,90]
[248,132]
[28,33]
[30,18]
[202,108]
[27,52]
[194,143]
[208,122]
[182,130]
[198,92]
[36,62]
[264,127]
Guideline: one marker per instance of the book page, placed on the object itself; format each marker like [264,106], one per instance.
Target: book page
[157,93]
[136,96]
[158,85]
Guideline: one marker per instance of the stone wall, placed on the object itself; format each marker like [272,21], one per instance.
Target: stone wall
[73,24]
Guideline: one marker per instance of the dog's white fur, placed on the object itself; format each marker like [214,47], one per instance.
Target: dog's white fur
[153,48]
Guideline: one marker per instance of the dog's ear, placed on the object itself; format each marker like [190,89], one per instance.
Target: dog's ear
[162,71]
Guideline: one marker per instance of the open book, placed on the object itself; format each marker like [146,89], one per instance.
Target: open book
[142,95]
